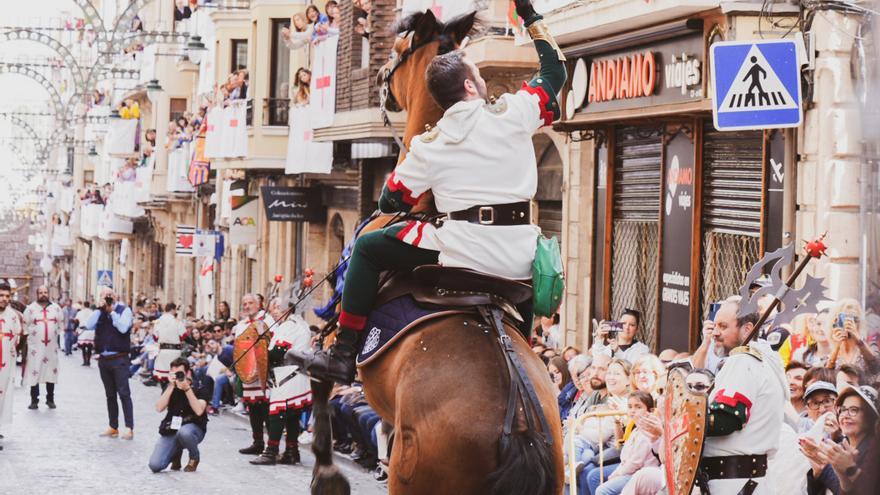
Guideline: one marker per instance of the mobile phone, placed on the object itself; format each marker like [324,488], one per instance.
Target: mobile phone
[616,327]
[713,310]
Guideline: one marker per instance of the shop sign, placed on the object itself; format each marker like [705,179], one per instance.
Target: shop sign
[667,72]
[244,227]
[293,204]
[675,283]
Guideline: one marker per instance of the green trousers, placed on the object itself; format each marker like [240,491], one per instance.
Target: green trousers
[374,253]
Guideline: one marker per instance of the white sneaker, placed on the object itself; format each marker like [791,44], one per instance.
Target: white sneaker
[239,408]
[305,438]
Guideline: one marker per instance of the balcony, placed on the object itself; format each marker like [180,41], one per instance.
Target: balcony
[275,111]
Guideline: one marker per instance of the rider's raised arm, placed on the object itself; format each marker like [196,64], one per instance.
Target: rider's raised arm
[407,183]
[552,75]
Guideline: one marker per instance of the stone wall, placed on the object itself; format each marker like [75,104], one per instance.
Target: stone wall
[19,258]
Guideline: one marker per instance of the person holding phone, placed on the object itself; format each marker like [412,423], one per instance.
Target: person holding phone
[845,320]
[617,339]
[186,420]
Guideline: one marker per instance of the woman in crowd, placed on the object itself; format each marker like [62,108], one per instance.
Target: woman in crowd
[624,344]
[299,33]
[834,466]
[817,352]
[799,338]
[635,453]
[846,324]
[562,379]
[223,311]
[302,80]
[647,372]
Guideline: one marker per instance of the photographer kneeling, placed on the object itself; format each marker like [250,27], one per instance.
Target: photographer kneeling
[186,422]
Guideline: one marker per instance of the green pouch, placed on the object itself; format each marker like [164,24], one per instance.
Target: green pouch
[238,387]
[548,279]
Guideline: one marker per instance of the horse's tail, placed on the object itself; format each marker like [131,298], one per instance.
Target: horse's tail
[525,467]
[326,477]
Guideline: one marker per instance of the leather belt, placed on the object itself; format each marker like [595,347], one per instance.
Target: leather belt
[170,346]
[506,214]
[734,466]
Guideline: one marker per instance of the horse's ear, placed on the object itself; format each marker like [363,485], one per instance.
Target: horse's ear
[460,27]
[425,28]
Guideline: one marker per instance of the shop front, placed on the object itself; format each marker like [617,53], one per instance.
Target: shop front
[680,211]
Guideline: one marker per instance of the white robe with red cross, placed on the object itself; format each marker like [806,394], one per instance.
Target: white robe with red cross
[10,332]
[43,327]
[295,392]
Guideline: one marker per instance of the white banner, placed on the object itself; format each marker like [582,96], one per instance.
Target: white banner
[90,218]
[214,133]
[204,243]
[178,170]
[237,129]
[322,100]
[120,137]
[144,180]
[244,227]
[303,154]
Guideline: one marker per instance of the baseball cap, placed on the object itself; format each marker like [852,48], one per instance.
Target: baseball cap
[866,393]
[819,386]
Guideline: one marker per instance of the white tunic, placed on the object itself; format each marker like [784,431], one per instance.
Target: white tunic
[168,330]
[252,392]
[43,326]
[85,336]
[479,154]
[10,332]
[295,393]
[761,384]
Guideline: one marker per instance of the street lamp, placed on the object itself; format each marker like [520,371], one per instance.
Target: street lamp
[195,49]
[154,89]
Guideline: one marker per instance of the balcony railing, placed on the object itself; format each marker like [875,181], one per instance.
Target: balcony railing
[275,111]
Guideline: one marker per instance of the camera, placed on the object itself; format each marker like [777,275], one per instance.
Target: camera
[615,329]
[108,300]
[179,376]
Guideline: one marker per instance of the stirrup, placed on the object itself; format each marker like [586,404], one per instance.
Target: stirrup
[317,365]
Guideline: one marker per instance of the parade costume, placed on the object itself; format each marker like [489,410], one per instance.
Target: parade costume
[479,163]
[44,327]
[745,422]
[254,395]
[10,332]
[169,332]
[290,393]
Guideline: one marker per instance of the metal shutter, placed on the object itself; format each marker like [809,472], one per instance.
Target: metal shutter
[636,236]
[732,182]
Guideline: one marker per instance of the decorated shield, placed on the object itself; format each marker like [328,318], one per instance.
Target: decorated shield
[251,355]
[684,429]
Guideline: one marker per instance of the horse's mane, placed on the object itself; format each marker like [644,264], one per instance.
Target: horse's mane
[409,23]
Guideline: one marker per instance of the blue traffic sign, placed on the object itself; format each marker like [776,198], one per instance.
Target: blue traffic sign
[756,85]
[105,278]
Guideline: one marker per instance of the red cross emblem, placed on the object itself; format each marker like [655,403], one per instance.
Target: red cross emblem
[45,321]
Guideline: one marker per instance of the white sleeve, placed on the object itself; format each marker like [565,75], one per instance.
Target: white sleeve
[526,108]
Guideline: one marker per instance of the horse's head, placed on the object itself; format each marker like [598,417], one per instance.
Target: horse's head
[421,37]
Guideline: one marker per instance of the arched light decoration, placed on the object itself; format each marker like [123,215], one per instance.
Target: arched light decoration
[54,95]
[41,144]
[67,58]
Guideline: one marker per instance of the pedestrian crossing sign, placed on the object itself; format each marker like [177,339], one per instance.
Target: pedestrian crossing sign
[755,85]
[105,278]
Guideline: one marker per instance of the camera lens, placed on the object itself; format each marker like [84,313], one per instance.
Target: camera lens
[179,375]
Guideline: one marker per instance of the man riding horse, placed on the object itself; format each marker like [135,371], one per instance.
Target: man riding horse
[479,163]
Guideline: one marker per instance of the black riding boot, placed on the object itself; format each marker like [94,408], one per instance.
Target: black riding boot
[290,455]
[335,364]
[269,457]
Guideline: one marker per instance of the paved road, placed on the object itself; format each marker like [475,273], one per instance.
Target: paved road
[47,452]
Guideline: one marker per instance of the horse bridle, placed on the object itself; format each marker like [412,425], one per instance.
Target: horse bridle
[386,96]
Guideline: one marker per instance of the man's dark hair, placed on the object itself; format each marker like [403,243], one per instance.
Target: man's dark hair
[851,371]
[446,75]
[170,307]
[181,361]
[635,314]
[794,365]
[5,286]
[819,374]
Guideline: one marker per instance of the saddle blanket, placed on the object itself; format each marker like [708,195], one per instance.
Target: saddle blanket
[389,321]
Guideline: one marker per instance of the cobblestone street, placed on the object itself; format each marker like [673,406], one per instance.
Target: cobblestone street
[59,451]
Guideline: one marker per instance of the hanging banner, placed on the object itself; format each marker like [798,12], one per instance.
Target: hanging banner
[200,167]
[204,243]
[121,136]
[244,222]
[235,136]
[678,212]
[185,235]
[214,133]
[322,101]
[303,154]
[178,169]
[293,204]
[206,276]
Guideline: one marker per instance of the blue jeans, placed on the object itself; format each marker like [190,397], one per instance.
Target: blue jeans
[69,340]
[613,486]
[220,385]
[114,375]
[188,437]
[588,481]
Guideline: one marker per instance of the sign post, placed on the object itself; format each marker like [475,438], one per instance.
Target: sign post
[756,85]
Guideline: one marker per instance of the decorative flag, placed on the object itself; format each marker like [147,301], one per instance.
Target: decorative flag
[200,167]
[203,244]
[322,98]
[303,154]
[185,240]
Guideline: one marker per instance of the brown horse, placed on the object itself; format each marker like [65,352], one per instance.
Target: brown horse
[445,385]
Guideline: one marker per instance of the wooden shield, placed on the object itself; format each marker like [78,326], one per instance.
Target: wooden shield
[251,355]
[684,429]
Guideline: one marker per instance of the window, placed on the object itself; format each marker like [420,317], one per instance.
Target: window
[157,265]
[279,86]
[178,108]
[239,55]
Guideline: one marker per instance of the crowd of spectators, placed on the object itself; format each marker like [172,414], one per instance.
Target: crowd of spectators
[832,367]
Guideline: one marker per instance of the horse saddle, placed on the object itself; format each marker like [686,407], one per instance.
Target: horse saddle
[431,291]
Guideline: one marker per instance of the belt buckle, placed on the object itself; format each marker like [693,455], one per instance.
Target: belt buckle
[486,219]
